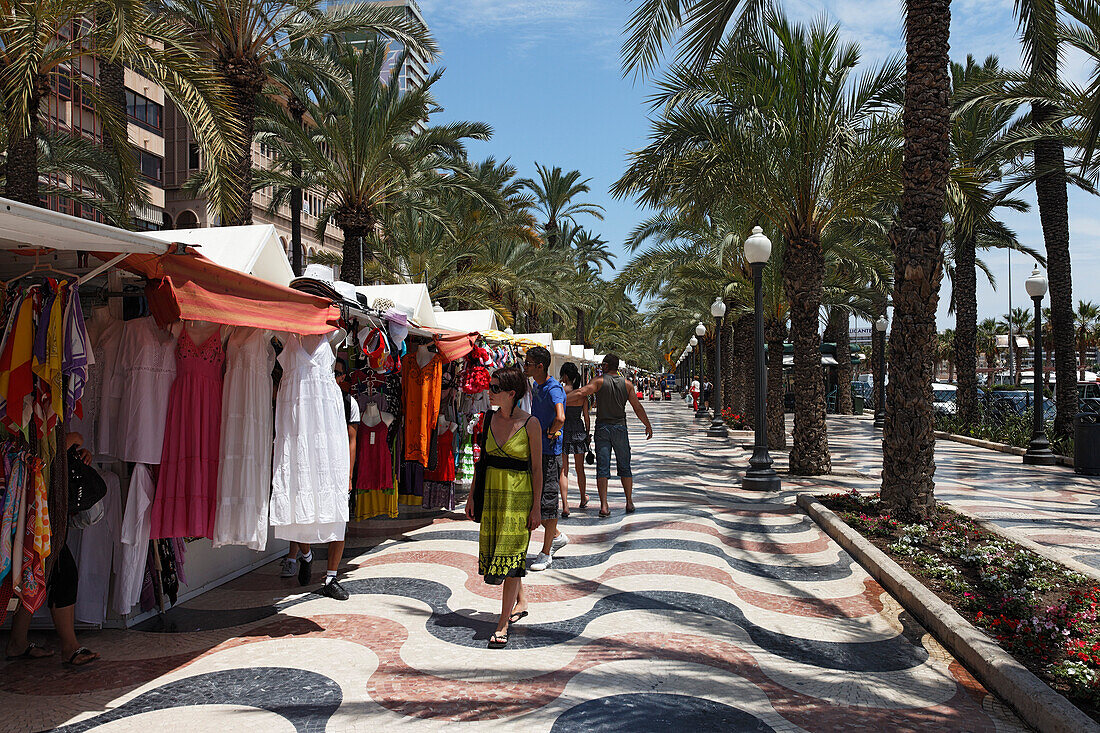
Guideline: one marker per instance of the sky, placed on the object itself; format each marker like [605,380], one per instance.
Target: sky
[546,75]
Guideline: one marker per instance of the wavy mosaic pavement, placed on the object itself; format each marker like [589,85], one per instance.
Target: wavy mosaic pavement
[707,609]
[1050,505]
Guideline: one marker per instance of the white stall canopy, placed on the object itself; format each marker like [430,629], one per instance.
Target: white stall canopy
[31,227]
[576,351]
[254,250]
[411,298]
[467,321]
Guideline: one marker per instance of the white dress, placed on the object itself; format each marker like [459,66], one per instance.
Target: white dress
[312,476]
[136,524]
[244,466]
[148,356]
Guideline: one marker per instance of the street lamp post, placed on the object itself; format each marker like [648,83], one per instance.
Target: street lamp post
[880,388]
[1038,450]
[760,476]
[718,424]
[687,377]
[695,359]
[701,412]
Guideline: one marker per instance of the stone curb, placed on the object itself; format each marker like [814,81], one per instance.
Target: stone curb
[999,447]
[1032,699]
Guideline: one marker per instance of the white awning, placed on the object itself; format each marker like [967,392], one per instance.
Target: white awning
[467,321]
[255,249]
[411,298]
[31,227]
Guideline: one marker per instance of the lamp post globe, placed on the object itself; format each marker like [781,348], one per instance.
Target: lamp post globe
[880,372]
[760,475]
[717,424]
[1038,449]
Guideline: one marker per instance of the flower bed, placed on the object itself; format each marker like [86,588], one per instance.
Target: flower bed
[1041,613]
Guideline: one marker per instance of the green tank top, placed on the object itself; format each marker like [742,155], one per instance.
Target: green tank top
[611,401]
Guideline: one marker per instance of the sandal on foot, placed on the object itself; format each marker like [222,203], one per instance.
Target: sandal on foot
[629,508]
[516,617]
[565,514]
[498,640]
[605,514]
[89,655]
[29,653]
[584,503]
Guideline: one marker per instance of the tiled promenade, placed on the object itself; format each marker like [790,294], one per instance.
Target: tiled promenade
[707,609]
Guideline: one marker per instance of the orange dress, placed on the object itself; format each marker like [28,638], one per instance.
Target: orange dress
[420,388]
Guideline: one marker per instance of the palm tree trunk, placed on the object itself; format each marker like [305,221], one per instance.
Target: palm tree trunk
[777,429]
[580,326]
[297,252]
[909,441]
[729,328]
[965,287]
[844,369]
[1053,199]
[356,227]
[21,170]
[803,275]
[740,352]
[245,77]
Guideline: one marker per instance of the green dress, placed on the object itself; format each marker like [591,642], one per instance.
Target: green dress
[508,499]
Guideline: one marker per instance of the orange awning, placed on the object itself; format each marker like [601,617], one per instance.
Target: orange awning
[189,286]
[453,345]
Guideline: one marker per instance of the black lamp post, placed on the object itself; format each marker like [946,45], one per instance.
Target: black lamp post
[760,476]
[690,367]
[701,412]
[1038,450]
[880,385]
[718,424]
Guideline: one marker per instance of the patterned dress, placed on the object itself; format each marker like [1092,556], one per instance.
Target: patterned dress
[508,499]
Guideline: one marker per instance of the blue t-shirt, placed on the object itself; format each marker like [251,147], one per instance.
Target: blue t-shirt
[544,399]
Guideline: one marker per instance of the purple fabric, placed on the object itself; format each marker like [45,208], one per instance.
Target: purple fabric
[412,478]
[74,363]
[180,550]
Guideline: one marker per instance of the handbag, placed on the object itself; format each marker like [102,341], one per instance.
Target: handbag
[86,486]
[477,490]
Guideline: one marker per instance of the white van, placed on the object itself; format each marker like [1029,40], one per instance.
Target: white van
[943,398]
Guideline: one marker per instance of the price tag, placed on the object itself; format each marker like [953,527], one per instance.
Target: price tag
[372,437]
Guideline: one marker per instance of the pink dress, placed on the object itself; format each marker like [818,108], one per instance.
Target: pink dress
[187,486]
[374,464]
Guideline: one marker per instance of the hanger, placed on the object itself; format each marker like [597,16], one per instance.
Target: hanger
[39,266]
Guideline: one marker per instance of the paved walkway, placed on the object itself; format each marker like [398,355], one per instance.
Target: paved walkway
[1050,505]
[707,609]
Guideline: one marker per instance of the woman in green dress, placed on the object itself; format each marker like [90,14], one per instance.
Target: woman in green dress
[513,488]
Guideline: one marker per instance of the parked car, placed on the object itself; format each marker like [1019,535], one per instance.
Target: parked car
[943,398]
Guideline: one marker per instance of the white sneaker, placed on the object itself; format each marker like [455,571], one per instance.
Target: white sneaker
[558,542]
[289,568]
[542,561]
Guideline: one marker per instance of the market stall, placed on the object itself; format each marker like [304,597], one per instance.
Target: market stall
[158,361]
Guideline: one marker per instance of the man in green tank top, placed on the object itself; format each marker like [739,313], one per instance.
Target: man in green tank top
[612,392]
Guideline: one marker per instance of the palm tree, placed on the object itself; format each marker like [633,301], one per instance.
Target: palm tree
[945,352]
[779,91]
[988,330]
[554,193]
[1086,321]
[38,40]
[246,37]
[1018,322]
[979,161]
[908,436]
[362,153]
[1039,33]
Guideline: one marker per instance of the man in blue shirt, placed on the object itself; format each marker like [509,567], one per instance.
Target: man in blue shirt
[548,406]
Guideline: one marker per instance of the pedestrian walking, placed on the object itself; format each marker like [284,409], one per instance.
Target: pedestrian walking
[508,502]
[612,392]
[695,391]
[548,407]
[708,392]
[576,435]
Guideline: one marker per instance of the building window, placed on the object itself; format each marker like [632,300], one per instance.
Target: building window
[192,156]
[151,166]
[144,111]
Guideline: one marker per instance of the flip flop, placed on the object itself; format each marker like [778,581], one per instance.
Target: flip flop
[516,617]
[82,650]
[28,653]
[498,640]
[630,509]
[605,515]
[583,504]
[565,514]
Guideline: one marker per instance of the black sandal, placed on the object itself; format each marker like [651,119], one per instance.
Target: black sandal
[28,653]
[517,617]
[605,515]
[583,504]
[498,640]
[565,514]
[92,656]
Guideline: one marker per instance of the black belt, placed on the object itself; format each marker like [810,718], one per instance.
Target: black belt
[505,463]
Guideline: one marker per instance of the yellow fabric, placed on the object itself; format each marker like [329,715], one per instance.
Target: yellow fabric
[373,503]
[504,537]
[21,352]
[49,371]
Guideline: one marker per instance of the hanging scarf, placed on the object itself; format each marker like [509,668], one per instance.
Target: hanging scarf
[32,585]
[77,356]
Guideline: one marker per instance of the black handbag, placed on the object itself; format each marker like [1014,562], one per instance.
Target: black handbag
[477,490]
[86,486]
